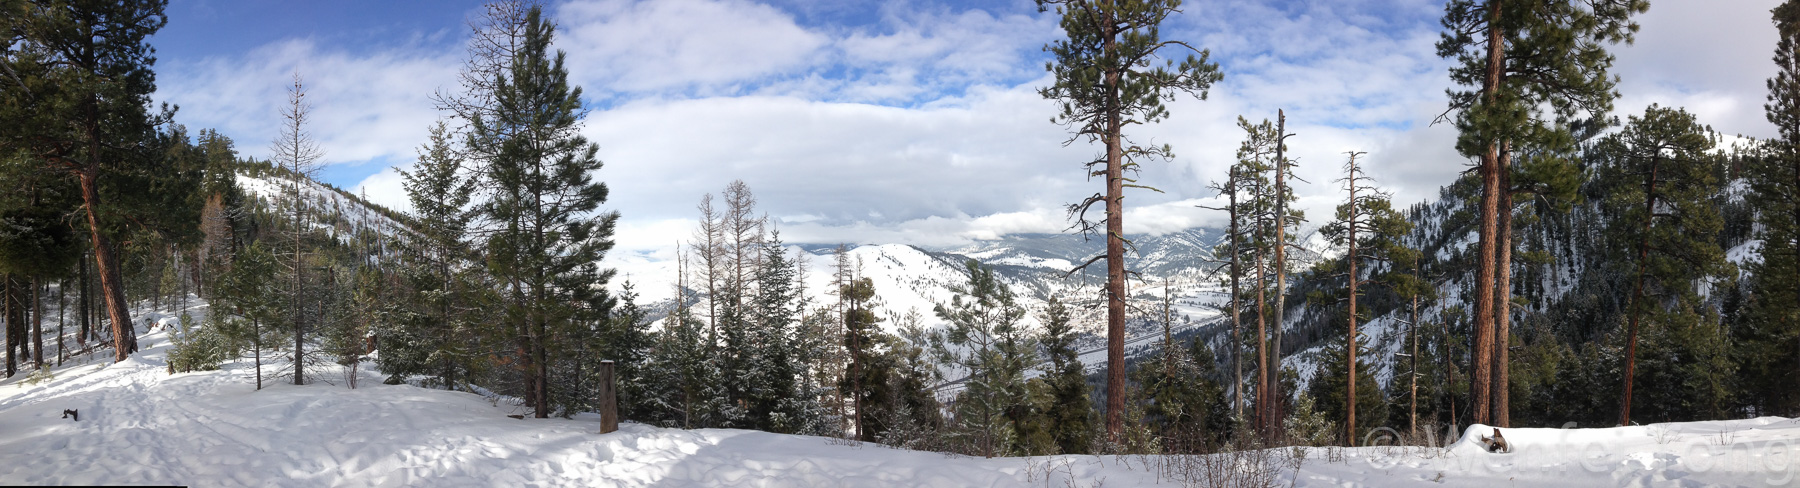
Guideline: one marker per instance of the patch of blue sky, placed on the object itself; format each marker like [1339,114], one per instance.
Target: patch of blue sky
[199,29]
[348,174]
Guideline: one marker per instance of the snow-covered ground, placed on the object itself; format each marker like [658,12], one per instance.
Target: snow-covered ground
[140,425]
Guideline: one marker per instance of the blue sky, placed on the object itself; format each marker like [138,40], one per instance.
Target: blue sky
[227,28]
[906,121]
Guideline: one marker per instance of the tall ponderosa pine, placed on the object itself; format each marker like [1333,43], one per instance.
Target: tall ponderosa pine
[1107,78]
[1370,230]
[1257,246]
[1284,217]
[1661,174]
[77,99]
[544,202]
[1232,247]
[1527,67]
[1770,350]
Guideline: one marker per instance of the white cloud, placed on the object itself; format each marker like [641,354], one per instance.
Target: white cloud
[838,162]
[1710,57]
[915,51]
[627,46]
[364,107]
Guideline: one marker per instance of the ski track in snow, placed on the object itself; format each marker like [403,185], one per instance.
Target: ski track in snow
[140,425]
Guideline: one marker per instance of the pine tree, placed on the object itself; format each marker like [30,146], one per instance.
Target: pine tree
[78,100]
[777,402]
[1519,59]
[1261,242]
[1662,176]
[679,368]
[1769,339]
[222,212]
[439,333]
[36,246]
[860,340]
[543,198]
[1232,248]
[1106,80]
[909,415]
[1069,411]
[1366,220]
[1284,217]
[247,292]
[1182,402]
[985,339]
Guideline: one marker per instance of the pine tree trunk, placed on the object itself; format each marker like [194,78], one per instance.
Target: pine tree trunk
[1350,341]
[1264,412]
[1276,396]
[1637,296]
[540,387]
[6,303]
[62,304]
[1412,333]
[1503,295]
[1237,334]
[1449,374]
[1115,248]
[1482,362]
[86,312]
[156,296]
[36,309]
[540,299]
[112,284]
[855,375]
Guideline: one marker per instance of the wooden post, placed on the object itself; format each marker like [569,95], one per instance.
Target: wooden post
[609,399]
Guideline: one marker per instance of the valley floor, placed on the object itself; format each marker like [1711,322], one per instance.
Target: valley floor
[140,425]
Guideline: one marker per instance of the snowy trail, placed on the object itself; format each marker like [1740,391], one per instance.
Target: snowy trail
[140,425]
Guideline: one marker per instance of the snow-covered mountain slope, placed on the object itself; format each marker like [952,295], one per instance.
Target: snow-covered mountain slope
[140,425]
[331,211]
[912,279]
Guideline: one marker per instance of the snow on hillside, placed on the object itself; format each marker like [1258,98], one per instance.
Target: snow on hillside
[335,213]
[140,425]
[1747,253]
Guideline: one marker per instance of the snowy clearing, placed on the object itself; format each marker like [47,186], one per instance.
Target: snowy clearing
[138,424]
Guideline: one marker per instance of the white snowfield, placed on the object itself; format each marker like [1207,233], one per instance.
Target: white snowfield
[140,425]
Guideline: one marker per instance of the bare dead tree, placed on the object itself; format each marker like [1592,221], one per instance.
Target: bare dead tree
[298,154]
[708,240]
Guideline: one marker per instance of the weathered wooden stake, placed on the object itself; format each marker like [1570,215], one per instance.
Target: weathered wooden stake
[609,399]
